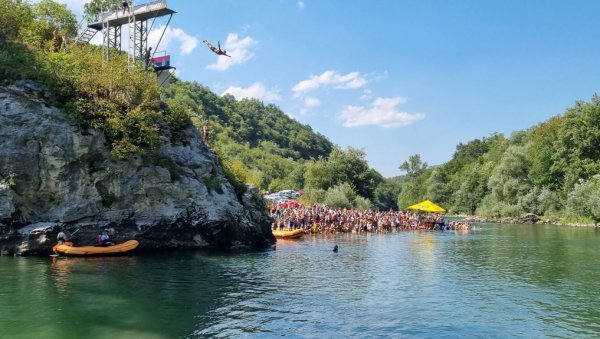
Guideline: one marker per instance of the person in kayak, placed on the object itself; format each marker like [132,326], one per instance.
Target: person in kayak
[64,237]
[103,239]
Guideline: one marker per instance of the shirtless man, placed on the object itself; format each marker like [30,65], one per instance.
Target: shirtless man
[147,57]
[206,133]
[216,50]
[55,39]
[65,42]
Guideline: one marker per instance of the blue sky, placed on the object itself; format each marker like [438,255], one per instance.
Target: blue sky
[394,77]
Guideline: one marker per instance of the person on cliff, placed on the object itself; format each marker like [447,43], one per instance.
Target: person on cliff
[65,42]
[55,43]
[216,50]
[206,133]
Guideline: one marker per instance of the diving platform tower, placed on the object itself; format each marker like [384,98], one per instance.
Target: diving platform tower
[136,18]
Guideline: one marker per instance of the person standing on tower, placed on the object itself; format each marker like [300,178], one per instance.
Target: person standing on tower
[126,6]
[147,57]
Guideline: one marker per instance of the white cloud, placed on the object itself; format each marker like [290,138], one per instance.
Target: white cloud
[76,6]
[367,93]
[382,113]
[256,91]
[301,5]
[97,40]
[239,49]
[312,102]
[351,80]
[187,43]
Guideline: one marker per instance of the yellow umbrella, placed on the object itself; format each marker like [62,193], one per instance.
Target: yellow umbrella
[427,206]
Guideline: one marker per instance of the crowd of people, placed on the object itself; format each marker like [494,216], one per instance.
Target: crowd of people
[321,219]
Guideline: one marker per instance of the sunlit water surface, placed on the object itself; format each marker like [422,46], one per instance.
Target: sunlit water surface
[497,281]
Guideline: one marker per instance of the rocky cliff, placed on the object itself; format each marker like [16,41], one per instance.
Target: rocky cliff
[54,174]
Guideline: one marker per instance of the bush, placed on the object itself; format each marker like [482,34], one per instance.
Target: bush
[550,202]
[18,62]
[336,198]
[233,176]
[14,14]
[530,202]
[584,199]
[362,203]
[312,196]
[9,180]
[124,104]
[178,118]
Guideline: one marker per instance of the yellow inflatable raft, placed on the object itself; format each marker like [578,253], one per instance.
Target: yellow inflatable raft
[118,249]
[294,234]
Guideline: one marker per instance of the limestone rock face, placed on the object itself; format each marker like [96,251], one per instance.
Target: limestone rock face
[54,174]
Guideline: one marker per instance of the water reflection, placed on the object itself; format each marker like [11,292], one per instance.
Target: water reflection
[61,273]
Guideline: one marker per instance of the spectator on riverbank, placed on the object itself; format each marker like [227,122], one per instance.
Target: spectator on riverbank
[322,219]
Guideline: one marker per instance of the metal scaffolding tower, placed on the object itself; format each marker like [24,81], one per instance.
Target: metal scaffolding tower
[136,18]
[135,39]
[111,38]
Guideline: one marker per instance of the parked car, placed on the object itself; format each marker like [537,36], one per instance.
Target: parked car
[289,193]
[275,196]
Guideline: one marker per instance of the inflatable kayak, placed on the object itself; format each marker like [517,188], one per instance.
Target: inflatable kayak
[118,249]
[294,234]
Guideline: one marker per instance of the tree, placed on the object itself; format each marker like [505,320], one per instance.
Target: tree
[473,188]
[93,8]
[437,186]
[413,166]
[14,14]
[386,194]
[510,179]
[411,193]
[576,154]
[540,150]
[342,166]
[48,15]
[312,196]
[336,197]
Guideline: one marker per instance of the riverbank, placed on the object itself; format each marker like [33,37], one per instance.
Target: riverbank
[529,218]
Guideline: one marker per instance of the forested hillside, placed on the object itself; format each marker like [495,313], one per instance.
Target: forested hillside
[552,169]
[258,142]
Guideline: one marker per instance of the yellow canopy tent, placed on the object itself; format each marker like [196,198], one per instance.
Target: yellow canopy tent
[427,206]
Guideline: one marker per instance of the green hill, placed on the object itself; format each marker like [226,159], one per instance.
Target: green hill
[258,142]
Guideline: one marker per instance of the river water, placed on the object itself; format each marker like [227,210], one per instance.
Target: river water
[496,281]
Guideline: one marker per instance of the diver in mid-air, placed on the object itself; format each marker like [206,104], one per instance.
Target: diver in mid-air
[216,50]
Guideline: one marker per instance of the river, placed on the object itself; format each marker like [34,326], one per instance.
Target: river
[495,281]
